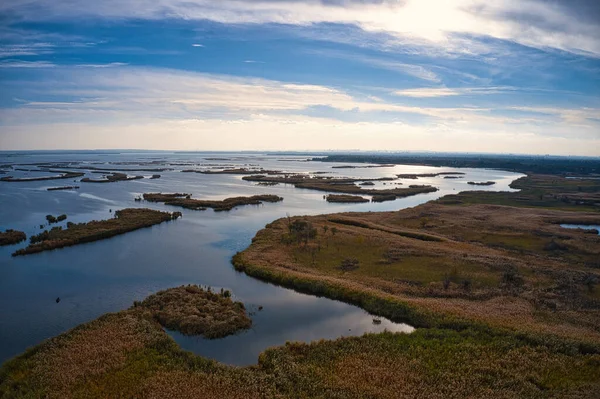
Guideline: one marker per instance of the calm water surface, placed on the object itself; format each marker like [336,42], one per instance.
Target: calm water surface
[107,276]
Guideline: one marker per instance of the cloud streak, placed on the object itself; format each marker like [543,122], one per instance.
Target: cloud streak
[537,23]
[218,107]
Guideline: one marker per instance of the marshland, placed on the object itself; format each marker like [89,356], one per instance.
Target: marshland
[496,314]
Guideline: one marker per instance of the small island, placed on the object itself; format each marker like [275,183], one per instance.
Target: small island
[63,188]
[62,175]
[55,219]
[192,310]
[186,201]
[236,171]
[124,221]
[11,237]
[413,176]
[485,183]
[112,178]
[346,199]
[341,185]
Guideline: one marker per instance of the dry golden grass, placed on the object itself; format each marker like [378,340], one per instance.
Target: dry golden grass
[129,355]
[486,263]
[195,311]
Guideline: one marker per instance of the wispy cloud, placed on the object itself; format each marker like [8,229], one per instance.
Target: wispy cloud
[109,65]
[26,64]
[176,94]
[537,23]
[144,105]
[197,45]
[382,62]
[430,92]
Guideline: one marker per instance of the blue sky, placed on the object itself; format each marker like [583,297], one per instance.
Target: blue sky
[438,75]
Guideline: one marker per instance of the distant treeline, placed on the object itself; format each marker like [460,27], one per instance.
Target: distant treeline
[524,164]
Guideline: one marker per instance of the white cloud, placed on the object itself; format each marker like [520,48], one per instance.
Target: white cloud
[26,64]
[109,65]
[289,133]
[536,23]
[430,92]
[197,45]
[154,108]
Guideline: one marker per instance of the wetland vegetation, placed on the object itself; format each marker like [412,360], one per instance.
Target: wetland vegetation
[112,178]
[483,183]
[62,175]
[11,237]
[347,199]
[193,310]
[413,176]
[505,301]
[342,185]
[125,220]
[63,188]
[186,201]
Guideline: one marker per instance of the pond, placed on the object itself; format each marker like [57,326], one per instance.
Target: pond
[582,226]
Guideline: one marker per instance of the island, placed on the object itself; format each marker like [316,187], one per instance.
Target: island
[63,188]
[186,201]
[124,221]
[447,175]
[348,199]
[236,171]
[485,183]
[112,178]
[193,310]
[11,237]
[62,175]
[342,185]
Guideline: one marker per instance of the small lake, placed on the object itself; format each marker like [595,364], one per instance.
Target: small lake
[582,226]
[107,276]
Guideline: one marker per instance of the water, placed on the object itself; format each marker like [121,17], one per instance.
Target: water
[107,276]
[582,226]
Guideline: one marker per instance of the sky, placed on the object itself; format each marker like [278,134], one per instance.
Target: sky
[505,76]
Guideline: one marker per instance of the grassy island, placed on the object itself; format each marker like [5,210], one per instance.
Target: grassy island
[347,199]
[124,221]
[483,183]
[112,178]
[11,237]
[192,310]
[342,185]
[445,174]
[236,171]
[62,175]
[186,201]
[63,188]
